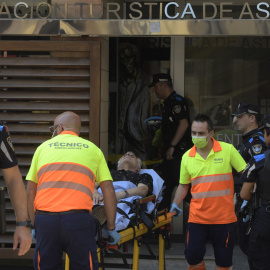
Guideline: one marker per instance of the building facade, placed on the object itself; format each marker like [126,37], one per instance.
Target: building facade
[97,58]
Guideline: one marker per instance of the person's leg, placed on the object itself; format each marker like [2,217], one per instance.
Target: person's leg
[170,173]
[242,237]
[196,238]
[222,236]
[259,241]
[78,237]
[48,253]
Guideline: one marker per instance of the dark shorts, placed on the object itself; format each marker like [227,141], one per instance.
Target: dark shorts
[222,237]
[70,233]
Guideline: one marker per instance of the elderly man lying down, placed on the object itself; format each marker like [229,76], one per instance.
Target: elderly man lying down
[130,183]
[128,169]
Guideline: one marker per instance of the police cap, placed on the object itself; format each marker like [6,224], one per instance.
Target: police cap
[246,108]
[160,77]
[266,122]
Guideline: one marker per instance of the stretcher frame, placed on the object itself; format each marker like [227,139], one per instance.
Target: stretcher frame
[161,222]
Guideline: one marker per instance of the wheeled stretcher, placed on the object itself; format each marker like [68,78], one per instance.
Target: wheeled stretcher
[141,224]
[161,225]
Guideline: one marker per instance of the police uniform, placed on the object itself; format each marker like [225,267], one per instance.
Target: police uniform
[7,153]
[258,170]
[253,144]
[175,109]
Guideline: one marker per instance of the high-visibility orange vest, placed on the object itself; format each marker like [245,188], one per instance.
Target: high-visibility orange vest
[212,185]
[65,169]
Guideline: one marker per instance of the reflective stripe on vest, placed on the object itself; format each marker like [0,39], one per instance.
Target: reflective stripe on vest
[68,185]
[210,193]
[201,186]
[66,167]
[210,178]
[64,186]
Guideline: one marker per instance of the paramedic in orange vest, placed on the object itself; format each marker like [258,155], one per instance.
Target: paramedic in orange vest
[207,167]
[60,190]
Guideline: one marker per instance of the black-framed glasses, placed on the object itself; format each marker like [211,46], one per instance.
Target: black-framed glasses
[53,128]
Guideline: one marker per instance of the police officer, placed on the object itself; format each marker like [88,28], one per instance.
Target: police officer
[258,171]
[16,189]
[246,120]
[175,127]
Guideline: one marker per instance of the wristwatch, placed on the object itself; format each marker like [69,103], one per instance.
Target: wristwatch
[126,194]
[26,223]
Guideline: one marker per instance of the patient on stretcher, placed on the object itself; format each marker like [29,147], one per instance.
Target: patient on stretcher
[131,183]
[128,169]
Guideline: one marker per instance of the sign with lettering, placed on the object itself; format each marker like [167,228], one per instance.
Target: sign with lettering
[133,10]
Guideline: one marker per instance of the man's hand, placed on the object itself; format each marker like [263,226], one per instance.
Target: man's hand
[175,208]
[23,236]
[97,197]
[169,153]
[114,237]
[120,195]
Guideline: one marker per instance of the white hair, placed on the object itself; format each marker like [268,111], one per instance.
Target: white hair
[138,159]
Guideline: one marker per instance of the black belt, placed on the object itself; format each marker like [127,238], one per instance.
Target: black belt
[264,202]
[40,212]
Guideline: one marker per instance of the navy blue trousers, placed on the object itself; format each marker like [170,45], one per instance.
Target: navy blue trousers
[222,237]
[259,240]
[170,173]
[243,238]
[71,233]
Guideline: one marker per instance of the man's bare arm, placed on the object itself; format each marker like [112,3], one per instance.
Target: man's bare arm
[31,195]
[246,189]
[140,190]
[181,193]
[181,129]
[109,202]
[18,199]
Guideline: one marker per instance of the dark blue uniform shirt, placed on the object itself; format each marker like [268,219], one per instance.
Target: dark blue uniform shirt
[252,169]
[7,153]
[254,144]
[175,109]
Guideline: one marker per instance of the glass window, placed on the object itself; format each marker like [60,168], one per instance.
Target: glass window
[220,72]
[133,61]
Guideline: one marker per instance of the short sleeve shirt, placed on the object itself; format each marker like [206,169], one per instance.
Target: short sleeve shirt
[254,144]
[135,178]
[175,109]
[212,183]
[67,147]
[221,159]
[254,166]
[7,152]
